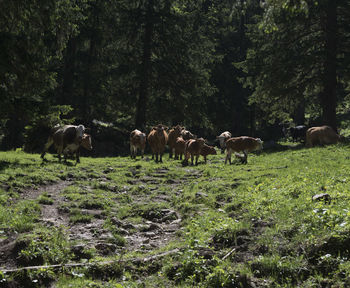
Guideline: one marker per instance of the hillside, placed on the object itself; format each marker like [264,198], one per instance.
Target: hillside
[117,222]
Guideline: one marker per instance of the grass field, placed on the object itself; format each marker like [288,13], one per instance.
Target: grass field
[117,222]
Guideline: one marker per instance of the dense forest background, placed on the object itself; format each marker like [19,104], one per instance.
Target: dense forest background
[115,65]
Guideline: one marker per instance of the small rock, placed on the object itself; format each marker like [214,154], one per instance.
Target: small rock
[323,196]
[201,195]
[105,248]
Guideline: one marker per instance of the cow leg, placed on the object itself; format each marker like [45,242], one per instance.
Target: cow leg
[192,158]
[205,159]
[171,153]
[59,152]
[131,151]
[197,156]
[156,157]
[47,146]
[77,155]
[228,156]
[245,160]
[142,152]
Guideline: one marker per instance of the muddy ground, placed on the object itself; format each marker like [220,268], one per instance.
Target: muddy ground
[154,232]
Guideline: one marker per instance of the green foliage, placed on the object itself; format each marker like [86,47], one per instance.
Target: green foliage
[44,246]
[20,217]
[45,199]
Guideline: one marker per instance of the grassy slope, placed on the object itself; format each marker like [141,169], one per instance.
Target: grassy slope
[236,226]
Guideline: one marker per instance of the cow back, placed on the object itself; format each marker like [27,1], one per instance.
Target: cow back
[194,146]
[69,134]
[321,135]
[173,134]
[207,150]
[244,143]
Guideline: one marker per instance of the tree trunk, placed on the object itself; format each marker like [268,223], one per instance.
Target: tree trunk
[68,73]
[145,74]
[299,113]
[328,95]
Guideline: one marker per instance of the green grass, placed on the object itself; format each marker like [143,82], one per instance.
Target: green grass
[240,225]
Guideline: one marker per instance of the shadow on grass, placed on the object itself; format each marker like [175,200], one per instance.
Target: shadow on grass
[4,165]
[67,163]
[13,164]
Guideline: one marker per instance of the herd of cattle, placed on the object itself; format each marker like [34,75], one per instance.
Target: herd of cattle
[181,142]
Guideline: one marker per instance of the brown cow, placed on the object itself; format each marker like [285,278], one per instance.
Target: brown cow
[157,139]
[193,148]
[137,141]
[321,135]
[172,137]
[207,150]
[245,144]
[180,145]
[223,137]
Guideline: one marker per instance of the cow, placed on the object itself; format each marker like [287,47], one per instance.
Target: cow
[157,139]
[187,135]
[67,140]
[223,137]
[243,143]
[322,135]
[174,133]
[180,145]
[137,141]
[298,133]
[207,150]
[193,149]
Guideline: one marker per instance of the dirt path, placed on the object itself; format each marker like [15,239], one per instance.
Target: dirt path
[154,232]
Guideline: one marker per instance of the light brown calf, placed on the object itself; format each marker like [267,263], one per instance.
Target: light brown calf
[157,139]
[193,148]
[172,137]
[179,147]
[207,150]
[245,144]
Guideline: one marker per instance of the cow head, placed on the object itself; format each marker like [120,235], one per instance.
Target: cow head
[259,144]
[201,141]
[86,142]
[160,128]
[80,131]
[186,135]
[212,150]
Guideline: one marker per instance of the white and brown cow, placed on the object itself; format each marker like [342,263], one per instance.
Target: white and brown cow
[67,140]
[223,137]
[243,144]
[137,141]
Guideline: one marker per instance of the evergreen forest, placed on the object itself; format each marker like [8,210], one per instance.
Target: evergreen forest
[246,66]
